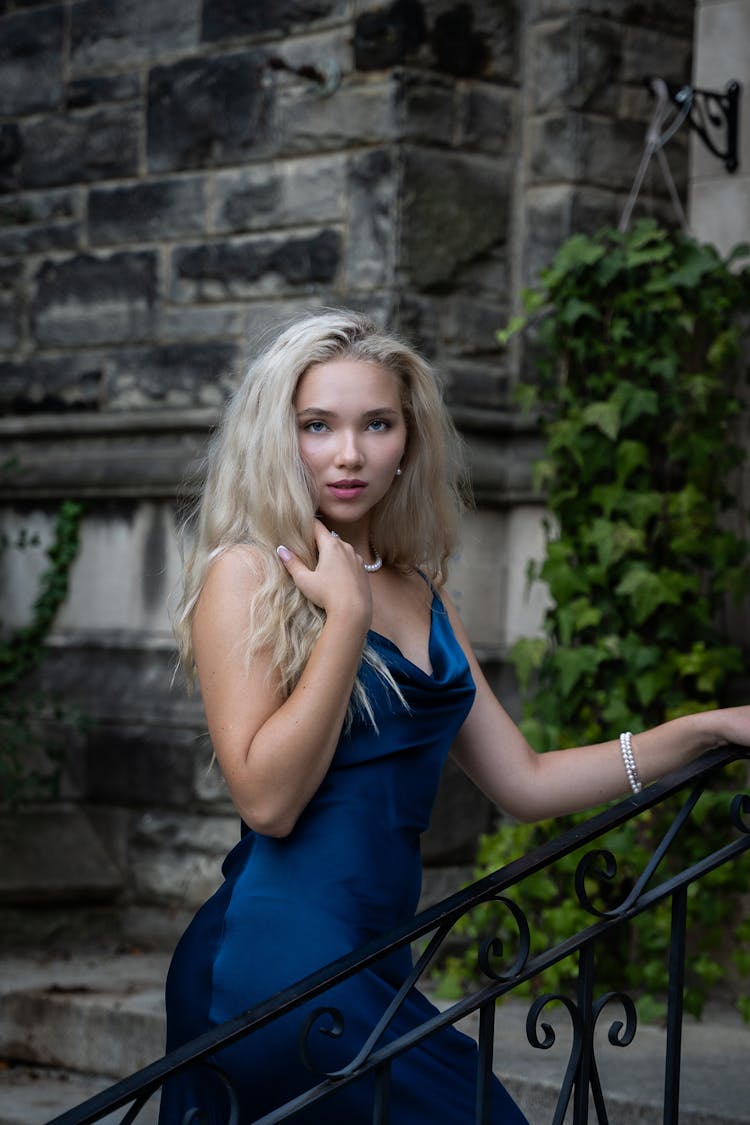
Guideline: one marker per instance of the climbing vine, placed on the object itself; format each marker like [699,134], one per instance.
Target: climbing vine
[21,652]
[637,342]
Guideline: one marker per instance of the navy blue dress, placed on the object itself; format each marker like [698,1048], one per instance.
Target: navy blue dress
[349,872]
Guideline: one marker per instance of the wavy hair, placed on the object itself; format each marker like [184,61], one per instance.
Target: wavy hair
[257,490]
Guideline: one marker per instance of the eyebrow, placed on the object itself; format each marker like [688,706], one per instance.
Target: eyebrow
[321,413]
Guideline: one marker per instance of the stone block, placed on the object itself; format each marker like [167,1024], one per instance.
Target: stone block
[19,242]
[156,210]
[140,765]
[255,266]
[79,146]
[356,115]
[654,51]
[91,91]
[208,111]
[90,300]
[40,206]
[201,322]
[455,210]
[373,230]
[230,19]
[10,323]
[52,854]
[41,383]
[104,32]
[487,117]
[389,34]
[171,374]
[583,148]
[556,212]
[576,64]
[176,858]
[31,45]
[11,150]
[428,107]
[282,193]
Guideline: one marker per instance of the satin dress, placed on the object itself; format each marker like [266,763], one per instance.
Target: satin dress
[349,872]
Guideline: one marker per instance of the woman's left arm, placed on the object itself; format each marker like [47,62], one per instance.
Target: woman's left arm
[492,751]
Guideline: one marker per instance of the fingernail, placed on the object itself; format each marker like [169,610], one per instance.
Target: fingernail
[284,553]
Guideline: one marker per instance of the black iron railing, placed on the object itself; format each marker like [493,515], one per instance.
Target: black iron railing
[581,1087]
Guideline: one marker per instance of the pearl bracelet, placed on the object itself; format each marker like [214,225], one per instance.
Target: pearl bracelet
[626,746]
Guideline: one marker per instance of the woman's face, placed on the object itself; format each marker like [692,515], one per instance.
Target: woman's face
[352,436]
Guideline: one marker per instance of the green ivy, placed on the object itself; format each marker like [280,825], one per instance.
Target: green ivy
[637,340]
[21,652]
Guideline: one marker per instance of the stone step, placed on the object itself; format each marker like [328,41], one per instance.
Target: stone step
[34,1095]
[71,1027]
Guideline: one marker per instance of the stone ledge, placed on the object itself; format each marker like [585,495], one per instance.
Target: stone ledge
[52,854]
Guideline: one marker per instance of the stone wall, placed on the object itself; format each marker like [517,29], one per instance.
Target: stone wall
[174,179]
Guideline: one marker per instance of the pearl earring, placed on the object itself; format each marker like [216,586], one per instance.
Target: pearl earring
[398,471]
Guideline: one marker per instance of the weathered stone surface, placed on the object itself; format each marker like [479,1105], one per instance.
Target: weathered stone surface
[281,194]
[50,854]
[79,146]
[31,61]
[90,300]
[208,111]
[135,766]
[487,118]
[595,150]
[81,92]
[18,242]
[10,323]
[39,206]
[646,51]
[172,374]
[177,857]
[576,64]
[201,322]
[388,35]
[427,104]
[159,209]
[371,249]
[252,267]
[454,210]
[40,383]
[225,19]
[11,148]
[122,31]
[355,116]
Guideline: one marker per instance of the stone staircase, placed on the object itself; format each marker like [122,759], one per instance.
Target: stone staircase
[70,1026]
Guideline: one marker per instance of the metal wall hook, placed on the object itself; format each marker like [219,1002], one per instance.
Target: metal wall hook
[713,115]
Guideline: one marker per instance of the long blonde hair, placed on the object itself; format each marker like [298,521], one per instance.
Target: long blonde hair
[257,490]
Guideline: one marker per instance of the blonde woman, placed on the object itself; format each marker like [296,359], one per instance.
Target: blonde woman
[336,677]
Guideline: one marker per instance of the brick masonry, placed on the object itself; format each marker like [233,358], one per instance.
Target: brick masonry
[175,177]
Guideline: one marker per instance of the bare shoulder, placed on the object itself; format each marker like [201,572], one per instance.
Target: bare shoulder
[231,579]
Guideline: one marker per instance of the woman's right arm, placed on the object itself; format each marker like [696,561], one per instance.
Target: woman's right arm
[275,752]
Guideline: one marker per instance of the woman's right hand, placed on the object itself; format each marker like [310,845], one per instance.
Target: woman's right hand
[339,581]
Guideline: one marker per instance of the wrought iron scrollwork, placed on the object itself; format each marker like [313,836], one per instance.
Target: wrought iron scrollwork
[493,946]
[714,116]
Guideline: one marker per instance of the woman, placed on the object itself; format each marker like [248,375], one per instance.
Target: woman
[336,676]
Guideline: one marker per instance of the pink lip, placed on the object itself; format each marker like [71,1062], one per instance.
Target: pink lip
[347,489]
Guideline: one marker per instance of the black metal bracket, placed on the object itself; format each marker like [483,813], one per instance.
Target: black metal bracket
[714,116]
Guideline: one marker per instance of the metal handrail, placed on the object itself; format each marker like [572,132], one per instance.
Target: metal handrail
[581,1079]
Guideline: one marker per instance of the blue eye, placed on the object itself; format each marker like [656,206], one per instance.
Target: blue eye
[316,427]
[379,425]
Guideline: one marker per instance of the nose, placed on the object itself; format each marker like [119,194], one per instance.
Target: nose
[348,450]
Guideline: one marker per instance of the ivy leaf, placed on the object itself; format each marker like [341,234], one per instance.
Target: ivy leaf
[648,589]
[514,325]
[604,416]
[573,663]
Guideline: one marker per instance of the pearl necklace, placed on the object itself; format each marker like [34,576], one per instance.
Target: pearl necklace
[372,567]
